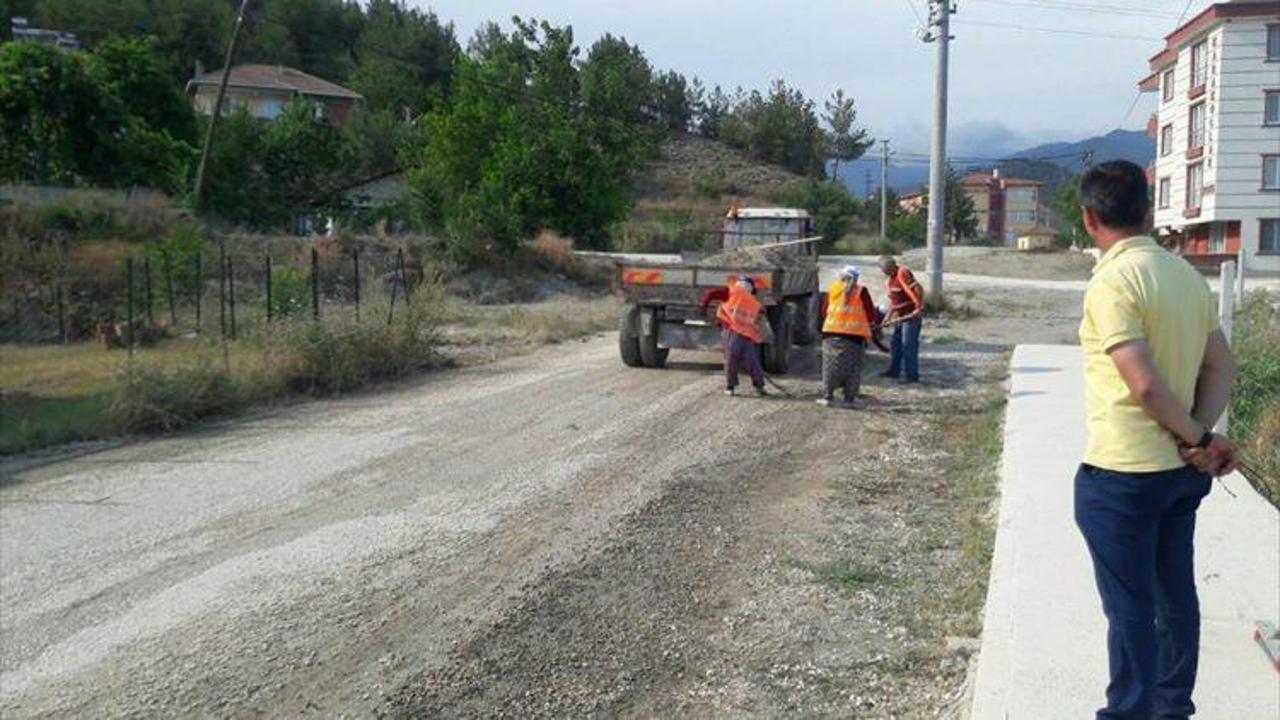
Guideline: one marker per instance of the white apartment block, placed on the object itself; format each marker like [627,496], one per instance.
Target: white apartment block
[1216,177]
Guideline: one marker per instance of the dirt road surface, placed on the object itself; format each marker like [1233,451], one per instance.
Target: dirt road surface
[547,535]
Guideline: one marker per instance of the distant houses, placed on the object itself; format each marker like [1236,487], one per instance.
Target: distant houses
[1216,176]
[22,30]
[1008,209]
[265,90]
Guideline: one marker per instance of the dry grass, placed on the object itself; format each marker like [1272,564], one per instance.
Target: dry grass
[1002,262]
[529,324]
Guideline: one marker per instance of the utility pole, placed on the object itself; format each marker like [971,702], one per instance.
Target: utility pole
[198,193]
[884,190]
[939,32]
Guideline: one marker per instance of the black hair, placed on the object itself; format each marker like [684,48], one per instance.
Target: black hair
[1117,193]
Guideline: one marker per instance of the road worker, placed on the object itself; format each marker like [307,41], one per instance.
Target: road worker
[740,317]
[906,308]
[849,318]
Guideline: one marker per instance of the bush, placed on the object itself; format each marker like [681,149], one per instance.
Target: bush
[866,245]
[1255,404]
[155,394]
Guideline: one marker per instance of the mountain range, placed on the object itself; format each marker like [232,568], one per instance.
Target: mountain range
[1071,157]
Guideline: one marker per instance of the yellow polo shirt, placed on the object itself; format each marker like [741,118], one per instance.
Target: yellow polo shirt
[1140,291]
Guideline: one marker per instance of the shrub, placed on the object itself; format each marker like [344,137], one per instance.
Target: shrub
[1255,404]
[157,394]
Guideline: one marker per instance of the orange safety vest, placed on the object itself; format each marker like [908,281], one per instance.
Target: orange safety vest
[909,286]
[846,314]
[741,313]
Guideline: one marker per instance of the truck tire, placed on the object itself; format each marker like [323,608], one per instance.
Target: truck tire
[804,329]
[777,353]
[652,355]
[629,337]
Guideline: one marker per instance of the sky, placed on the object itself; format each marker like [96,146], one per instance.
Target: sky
[1011,87]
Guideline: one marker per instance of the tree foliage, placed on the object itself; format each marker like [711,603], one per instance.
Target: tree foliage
[406,57]
[512,151]
[847,143]
[65,119]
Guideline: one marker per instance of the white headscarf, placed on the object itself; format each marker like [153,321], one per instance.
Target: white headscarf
[851,271]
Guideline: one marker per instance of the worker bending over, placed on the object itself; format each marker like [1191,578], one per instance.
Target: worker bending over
[906,306]
[740,317]
[850,317]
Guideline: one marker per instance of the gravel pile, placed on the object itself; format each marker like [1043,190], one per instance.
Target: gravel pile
[755,257]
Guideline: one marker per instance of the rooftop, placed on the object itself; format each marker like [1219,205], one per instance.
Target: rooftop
[749,213]
[275,77]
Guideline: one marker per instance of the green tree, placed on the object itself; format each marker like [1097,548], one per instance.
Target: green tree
[510,152]
[779,128]
[301,159]
[56,118]
[372,142]
[236,186]
[712,111]
[673,100]
[1066,205]
[131,70]
[406,58]
[962,217]
[909,229]
[617,89]
[847,142]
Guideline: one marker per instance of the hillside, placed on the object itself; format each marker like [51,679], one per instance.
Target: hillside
[1132,145]
[681,196]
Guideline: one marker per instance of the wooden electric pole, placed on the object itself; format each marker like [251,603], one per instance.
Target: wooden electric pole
[197,194]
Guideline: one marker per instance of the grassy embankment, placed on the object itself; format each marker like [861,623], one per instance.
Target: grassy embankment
[1255,405]
[52,394]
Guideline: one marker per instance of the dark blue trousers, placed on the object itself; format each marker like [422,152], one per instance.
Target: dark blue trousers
[1140,529]
[904,350]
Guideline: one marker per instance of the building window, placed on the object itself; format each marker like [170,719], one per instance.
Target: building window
[1195,127]
[1269,236]
[1165,191]
[1271,106]
[1217,237]
[1273,43]
[1195,185]
[1166,139]
[1271,172]
[1168,84]
[1199,68]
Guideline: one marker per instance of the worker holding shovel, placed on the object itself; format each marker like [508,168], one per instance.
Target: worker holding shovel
[742,318]
[848,324]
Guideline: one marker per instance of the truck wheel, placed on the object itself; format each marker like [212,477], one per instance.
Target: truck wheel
[652,355]
[629,337]
[777,353]
[804,321]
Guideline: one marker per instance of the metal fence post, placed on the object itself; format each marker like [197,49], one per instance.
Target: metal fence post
[315,284]
[404,279]
[199,287]
[62,313]
[268,268]
[355,281]
[222,288]
[231,293]
[1226,317]
[146,288]
[168,288]
[128,303]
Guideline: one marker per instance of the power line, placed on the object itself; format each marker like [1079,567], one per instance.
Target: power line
[1060,31]
[1183,16]
[919,18]
[1074,7]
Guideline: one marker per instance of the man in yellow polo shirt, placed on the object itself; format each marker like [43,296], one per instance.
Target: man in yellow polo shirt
[1158,374]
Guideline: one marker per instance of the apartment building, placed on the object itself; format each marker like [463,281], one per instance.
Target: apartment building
[1007,208]
[1216,176]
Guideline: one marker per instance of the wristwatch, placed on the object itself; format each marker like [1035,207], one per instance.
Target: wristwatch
[1205,440]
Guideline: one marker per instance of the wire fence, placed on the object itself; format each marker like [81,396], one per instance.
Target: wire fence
[214,290]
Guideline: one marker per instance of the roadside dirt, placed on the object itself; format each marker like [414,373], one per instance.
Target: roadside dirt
[550,535]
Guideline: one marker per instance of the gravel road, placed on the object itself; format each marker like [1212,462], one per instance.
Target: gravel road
[546,535]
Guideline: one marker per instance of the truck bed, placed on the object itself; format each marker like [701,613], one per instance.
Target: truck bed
[645,283]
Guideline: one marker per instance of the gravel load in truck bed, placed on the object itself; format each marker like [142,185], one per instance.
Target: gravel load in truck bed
[756,257]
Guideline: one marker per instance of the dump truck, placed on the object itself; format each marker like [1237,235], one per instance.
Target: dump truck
[672,305]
